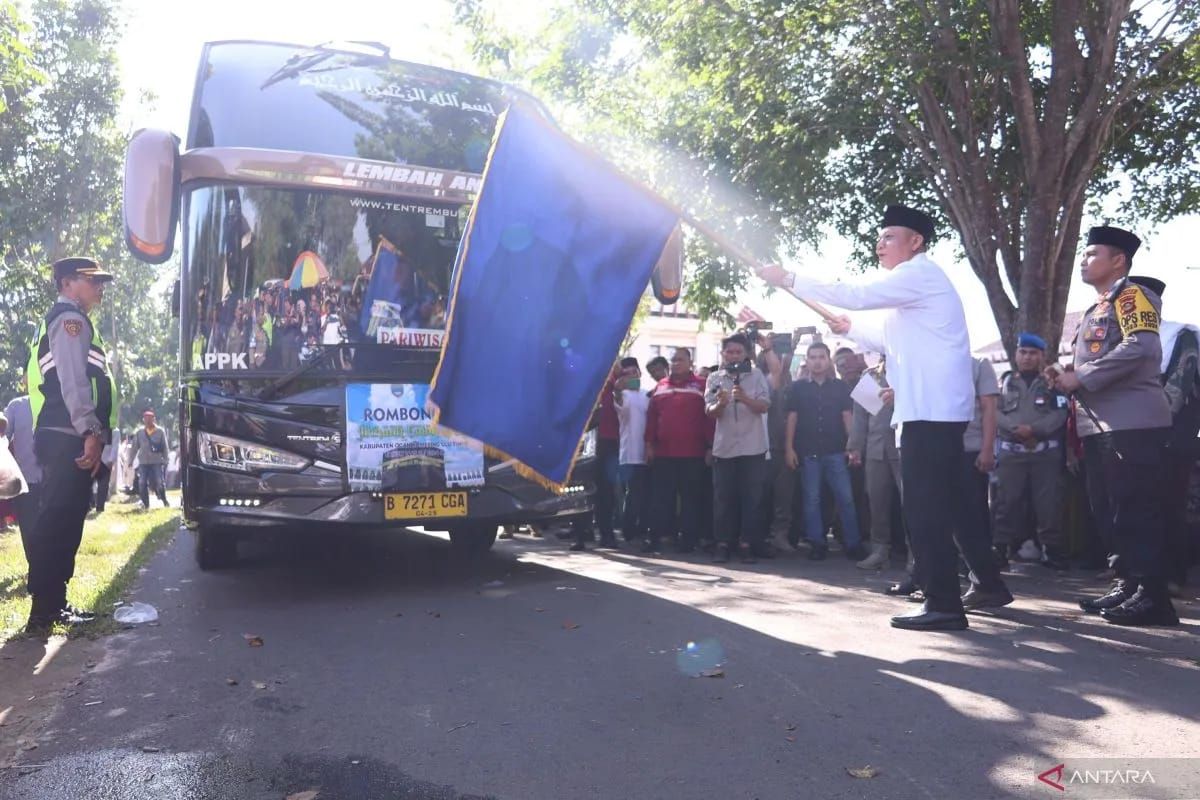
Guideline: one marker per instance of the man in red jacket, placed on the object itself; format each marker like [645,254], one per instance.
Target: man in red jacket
[679,437]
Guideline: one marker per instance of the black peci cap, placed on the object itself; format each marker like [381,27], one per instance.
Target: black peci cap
[1125,241]
[909,218]
[78,267]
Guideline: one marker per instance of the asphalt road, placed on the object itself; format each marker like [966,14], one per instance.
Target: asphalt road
[388,669]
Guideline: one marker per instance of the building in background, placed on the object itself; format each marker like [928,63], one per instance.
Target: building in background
[995,352]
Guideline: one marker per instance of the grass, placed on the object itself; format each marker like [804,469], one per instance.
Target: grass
[115,544]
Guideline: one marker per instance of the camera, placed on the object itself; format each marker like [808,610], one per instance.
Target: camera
[753,327]
[736,371]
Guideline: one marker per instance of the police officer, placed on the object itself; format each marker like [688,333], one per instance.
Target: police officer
[1030,425]
[1123,418]
[74,409]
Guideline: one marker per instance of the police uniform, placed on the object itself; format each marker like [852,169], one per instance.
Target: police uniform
[1034,468]
[72,396]
[1123,418]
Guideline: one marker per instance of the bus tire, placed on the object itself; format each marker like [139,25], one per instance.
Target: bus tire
[473,539]
[216,547]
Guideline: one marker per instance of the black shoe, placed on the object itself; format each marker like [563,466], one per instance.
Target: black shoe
[818,552]
[926,620]
[902,589]
[856,553]
[39,624]
[685,549]
[976,598]
[649,546]
[578,547]
[1000,556]
[1140,610]
[721,554]
[746,555]
[608,544]
[1118,594]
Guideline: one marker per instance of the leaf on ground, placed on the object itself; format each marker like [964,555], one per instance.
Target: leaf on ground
[570,626]
[713,673]
[253,640]
[862,772]
[309,794]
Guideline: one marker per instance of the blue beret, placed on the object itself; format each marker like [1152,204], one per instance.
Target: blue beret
[1031,340]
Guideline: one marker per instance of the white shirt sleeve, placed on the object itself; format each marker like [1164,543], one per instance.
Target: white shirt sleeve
[903,286]
[869,333]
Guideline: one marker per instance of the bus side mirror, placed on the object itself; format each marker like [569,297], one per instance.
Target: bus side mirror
[667,278]
[151,206]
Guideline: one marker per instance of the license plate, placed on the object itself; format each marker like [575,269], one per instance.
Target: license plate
[424,505]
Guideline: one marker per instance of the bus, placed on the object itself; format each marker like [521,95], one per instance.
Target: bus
[320,196]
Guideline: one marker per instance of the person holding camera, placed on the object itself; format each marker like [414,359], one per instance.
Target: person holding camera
[737,397]
[150,448]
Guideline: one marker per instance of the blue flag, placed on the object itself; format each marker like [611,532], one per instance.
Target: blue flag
[397,295]
[557,253]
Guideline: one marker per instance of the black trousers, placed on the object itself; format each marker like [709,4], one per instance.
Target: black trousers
[607,451]
[1126,488]
[635,517]
[67,495]
[100,493]
[678,491]
[738,485]
[931,456]
[973,524]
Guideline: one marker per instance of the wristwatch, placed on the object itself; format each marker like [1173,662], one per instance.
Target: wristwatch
[99,432]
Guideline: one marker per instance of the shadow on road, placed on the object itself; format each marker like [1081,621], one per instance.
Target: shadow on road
[531,672]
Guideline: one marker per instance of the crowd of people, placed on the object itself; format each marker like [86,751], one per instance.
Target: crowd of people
[742,459]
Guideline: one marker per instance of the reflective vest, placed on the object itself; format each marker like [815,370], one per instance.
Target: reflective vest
[45,393]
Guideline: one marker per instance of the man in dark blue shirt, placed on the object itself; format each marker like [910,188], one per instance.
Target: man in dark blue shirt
[818,422]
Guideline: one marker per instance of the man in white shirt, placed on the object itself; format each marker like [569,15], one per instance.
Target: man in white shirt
[631,404]
[924,337]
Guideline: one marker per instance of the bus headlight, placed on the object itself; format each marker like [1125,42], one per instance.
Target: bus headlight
[226,453]
[588,449]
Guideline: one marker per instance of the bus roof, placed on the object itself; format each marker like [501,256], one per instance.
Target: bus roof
[279,96]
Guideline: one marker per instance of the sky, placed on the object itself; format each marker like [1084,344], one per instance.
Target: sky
[161,49]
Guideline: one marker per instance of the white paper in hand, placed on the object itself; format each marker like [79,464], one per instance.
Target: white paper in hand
[866,394]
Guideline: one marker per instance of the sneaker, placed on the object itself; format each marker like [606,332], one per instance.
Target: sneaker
[880,558]
[1029,551]
[71,615]
[1142,609]
[1118,594]
[649,546]
[721,554]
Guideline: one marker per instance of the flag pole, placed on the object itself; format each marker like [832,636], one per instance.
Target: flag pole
[745,257]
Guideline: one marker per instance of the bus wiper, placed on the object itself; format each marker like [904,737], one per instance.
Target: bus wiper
[294,66]
[317,359]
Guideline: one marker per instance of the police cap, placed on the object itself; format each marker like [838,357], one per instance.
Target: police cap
[1028,339]
[79,267]
[1125,241]
[909,218]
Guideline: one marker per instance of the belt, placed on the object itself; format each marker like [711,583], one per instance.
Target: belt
[1017,447]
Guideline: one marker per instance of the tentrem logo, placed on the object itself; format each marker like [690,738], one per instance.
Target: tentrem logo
[1123,778]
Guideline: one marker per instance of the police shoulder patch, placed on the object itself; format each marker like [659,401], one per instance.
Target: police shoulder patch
[1135,312]
[73,327]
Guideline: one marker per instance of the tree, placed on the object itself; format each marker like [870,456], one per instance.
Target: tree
[1009,117]
[61,155]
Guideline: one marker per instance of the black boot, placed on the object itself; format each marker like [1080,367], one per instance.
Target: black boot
[1121,591]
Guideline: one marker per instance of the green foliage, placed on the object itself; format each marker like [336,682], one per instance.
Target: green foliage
[61,156]
[796,117]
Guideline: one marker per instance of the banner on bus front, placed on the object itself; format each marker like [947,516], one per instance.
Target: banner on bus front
[392,444]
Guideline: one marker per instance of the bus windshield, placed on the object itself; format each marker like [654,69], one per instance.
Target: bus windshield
[274,275]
